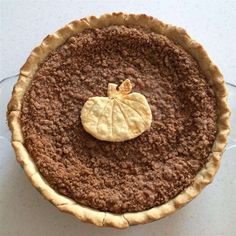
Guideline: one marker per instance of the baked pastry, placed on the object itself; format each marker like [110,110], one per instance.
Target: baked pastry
[119,117]
[105,176]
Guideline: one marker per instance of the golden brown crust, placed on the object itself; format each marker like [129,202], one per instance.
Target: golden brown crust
[14,125]
[179,36]
[114,220]
[18,93]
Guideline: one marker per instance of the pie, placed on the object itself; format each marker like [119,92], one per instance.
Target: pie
[120,119]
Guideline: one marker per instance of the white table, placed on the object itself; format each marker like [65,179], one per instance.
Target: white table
[23,24]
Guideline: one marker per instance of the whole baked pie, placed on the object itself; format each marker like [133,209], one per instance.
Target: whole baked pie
[120,119]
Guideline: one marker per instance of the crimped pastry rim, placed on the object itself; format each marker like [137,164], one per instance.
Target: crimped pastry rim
[99,218]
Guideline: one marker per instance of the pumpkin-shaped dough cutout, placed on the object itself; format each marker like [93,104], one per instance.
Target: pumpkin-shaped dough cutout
[119,117]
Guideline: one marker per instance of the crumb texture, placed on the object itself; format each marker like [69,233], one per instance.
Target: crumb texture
[128,176]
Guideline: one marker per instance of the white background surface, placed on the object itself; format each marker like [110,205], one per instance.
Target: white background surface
[23,24]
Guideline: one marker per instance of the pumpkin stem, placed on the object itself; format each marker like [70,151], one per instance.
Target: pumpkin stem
[112,90]
[124,89]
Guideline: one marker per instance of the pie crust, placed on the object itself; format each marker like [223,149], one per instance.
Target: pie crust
[99,218]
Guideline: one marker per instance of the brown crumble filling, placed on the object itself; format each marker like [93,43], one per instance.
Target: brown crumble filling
[134,175]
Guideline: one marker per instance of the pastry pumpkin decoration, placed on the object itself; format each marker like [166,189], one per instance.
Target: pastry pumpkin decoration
[119,117]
